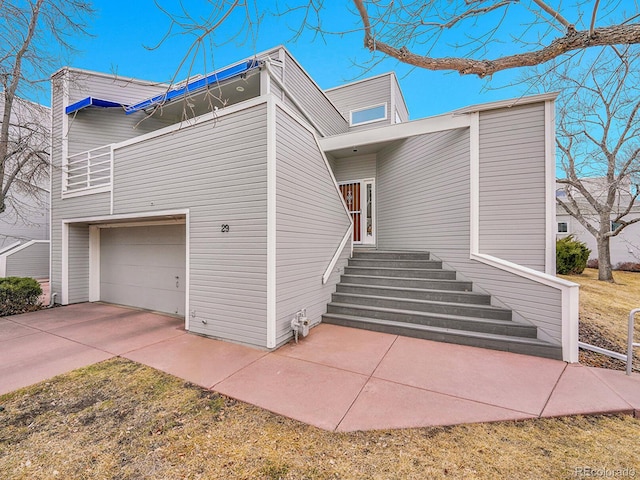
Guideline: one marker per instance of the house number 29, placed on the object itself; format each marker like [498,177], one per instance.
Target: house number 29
[224,228]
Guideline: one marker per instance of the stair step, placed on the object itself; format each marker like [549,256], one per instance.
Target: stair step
[429,284]
[391,255]
[401,272]
[394,263]
[528,346]
[442,320]
[449,308]
[415,293]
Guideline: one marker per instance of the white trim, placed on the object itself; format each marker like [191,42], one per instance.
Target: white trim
[206,117]
[64,294]
[550,186]
[336,255]
[86,191]
[111,182]
[10,247]
[512,102]
[363,221]
[3,266]
[369,107]
[355,82]
[144,223]
[94,263]
[397,131]
[51,160]
[393,108]
[404,103]
[569,297]
[125,216]
[187,270]
[474,182]
[64,138]
[271,223]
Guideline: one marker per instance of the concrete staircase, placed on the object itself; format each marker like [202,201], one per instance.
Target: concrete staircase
[407,293]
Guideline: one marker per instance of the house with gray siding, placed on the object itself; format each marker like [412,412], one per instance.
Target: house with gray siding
[24,225]
[253,203]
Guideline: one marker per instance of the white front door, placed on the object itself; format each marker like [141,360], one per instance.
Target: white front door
[359,195]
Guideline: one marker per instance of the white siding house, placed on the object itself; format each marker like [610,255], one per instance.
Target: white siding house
[242,212]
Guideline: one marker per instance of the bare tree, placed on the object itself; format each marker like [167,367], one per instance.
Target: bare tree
[34,35]
[474,37]
[599,144]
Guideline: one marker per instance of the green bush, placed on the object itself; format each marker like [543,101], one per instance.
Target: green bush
[571,256]
[19,295]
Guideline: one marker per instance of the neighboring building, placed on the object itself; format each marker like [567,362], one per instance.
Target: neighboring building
[624,247]
[234,200]
[24,225]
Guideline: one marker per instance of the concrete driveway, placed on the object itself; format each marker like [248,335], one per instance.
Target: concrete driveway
[337,378]
[39,345]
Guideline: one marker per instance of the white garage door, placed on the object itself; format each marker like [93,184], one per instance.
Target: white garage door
[144,267]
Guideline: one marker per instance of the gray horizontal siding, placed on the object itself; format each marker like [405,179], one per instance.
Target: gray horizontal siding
[78,263]
[79,207]
[365,93]
[400,105]
[94,127]
[311,223]
[217,170]
[312,99]
[355,168]
[424,204]
[512,185]
[30,261]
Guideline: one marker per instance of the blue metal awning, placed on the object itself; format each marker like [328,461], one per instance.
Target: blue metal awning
[193,87]
[91,102]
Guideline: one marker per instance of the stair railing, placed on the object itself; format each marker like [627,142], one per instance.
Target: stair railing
[630,343]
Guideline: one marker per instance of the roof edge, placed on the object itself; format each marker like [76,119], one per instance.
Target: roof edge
[524,100]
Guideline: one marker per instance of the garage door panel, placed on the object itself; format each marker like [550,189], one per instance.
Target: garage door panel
[141,255]
[139,266]
[168,301]
[150,235]
[160,277]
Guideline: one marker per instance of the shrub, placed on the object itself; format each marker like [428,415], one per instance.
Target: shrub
[19,295]
[593,263]
[628,267]
[571,256]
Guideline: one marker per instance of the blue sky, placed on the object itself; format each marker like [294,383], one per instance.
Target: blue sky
[122,29]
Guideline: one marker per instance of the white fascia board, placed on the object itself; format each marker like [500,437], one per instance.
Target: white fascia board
[474,183]
[355,82]
[271,223]
[127,216]
[395,132]
[550,186]
[512,102]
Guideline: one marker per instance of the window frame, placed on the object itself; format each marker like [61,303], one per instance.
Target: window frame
[566,227]
[369,107]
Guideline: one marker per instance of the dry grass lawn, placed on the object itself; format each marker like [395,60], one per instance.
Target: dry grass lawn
[604,313]
[122,420]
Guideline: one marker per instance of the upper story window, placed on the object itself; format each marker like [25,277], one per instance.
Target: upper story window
[562,227]
[614,225]
[368,115]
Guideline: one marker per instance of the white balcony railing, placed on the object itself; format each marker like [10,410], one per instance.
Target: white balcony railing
[89,170]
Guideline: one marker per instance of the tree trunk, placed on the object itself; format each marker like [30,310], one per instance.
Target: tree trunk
[604,259]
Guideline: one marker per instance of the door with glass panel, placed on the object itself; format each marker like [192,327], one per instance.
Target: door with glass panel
[360,199]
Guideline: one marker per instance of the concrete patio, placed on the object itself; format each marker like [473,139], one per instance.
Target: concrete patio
[337,378]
